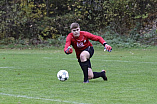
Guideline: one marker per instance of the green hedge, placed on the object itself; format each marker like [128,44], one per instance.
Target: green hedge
[40,20]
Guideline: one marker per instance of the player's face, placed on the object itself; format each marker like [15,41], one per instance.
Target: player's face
[76,32]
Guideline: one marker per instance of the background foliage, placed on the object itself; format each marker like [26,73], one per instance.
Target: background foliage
[35,21]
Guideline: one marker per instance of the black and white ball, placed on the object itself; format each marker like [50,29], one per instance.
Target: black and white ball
[62,75]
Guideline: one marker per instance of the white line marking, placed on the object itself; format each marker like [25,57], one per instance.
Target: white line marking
[48,57]
[24,96]
[6,67]
[117,61]
[131,61]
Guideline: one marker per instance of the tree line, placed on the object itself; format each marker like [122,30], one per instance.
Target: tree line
[44,19]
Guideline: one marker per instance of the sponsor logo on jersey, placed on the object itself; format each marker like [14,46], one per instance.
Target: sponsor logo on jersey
[80,44]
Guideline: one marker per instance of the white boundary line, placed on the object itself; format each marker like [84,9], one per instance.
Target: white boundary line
[116,61]
[6,67]
[131,61]
[37,98]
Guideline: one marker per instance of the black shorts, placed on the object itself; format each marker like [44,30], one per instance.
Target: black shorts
[90,49]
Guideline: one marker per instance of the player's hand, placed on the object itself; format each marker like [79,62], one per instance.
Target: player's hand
[108,48]
[69,50]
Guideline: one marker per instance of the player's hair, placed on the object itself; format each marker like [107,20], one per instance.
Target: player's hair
[74,25]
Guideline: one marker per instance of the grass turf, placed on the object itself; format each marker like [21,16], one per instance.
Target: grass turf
[30,77]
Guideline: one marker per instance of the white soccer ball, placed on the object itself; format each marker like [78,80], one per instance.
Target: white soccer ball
[62,75]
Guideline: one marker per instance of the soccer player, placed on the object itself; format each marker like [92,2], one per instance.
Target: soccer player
[84,50]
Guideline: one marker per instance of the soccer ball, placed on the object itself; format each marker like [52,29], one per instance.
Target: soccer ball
[62,75]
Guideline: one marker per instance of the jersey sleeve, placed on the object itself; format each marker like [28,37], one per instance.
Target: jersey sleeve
[95,38]
[68,42]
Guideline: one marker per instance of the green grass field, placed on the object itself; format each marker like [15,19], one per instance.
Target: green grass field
[30,77]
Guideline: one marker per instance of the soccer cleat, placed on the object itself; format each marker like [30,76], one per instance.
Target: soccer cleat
[86,81]
[104,75]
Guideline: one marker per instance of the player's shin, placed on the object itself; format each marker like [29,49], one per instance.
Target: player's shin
[85,70]
[97,74]
[100,74]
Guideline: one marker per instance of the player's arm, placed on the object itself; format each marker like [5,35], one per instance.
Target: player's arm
[67,48]
[101,40]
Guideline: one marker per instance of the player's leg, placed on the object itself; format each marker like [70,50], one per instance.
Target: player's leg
[84,64]
[84,56]
[100,74]
[90,73]
[94,75]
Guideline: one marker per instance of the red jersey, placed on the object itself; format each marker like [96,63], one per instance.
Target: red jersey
[82,42]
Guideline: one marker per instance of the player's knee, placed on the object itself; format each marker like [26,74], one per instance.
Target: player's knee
[83,58]
[90,77]
[90,73]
